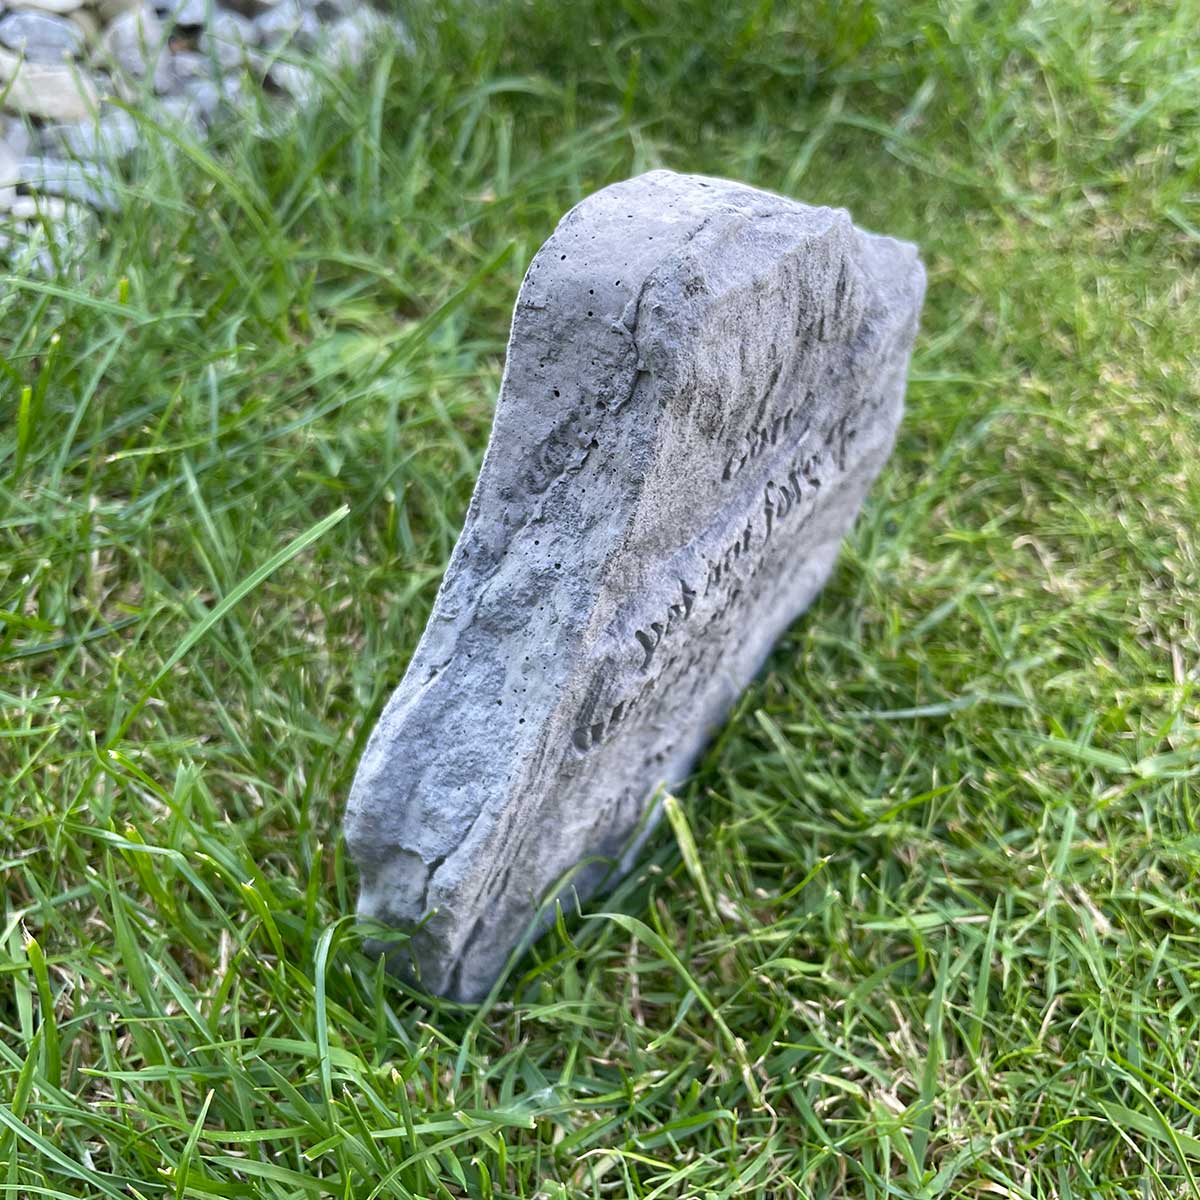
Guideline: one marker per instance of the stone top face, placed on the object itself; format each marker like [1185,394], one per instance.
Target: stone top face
[702,381]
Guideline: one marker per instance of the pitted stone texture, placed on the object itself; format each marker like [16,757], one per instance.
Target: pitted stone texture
[702,381]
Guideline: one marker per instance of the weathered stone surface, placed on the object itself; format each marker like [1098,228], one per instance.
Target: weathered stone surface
[41,37]
[702,381]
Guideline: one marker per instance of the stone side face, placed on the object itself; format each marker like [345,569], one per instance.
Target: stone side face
[702,381]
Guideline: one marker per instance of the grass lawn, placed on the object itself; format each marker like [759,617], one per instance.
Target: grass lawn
[942,934]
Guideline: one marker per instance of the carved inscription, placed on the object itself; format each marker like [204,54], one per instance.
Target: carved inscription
[757,442]
[679,611]
[565,450]
[731,578]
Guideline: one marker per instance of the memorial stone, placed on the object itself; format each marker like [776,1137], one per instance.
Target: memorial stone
[702,381]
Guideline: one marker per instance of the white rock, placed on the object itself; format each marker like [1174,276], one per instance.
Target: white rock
[204,96]
[54,93]
[133,43]
[298,81]
[53,6]
[277,26]
[14,133]
[189,64]
[29,208]
[89,183]
[183,112]
[191,13]
[229,39]
[9,177]
[10,166]
[349,38]
[113,134]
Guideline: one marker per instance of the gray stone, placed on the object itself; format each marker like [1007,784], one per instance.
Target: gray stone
[45,222]
[287,20]
[14,133]
[10,165]
[41,37]
[229,39]
[204,96]
[112,135]
[182,112]
[10,176]
[189,65]
[297,81]
[87,182]
[702,381]
[134,43]
[186,13]
[349,38]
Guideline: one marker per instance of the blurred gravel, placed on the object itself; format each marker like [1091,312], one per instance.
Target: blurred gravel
[64,62]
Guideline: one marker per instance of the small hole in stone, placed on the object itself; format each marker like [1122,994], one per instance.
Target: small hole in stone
[563,258]
[521,721]
[556,393]
[589,312]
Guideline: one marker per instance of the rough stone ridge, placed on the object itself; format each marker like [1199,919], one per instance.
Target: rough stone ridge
[702,381]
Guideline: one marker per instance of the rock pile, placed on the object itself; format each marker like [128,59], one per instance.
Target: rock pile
[63,63]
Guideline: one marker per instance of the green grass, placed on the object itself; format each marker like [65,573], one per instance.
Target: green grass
[941,936]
